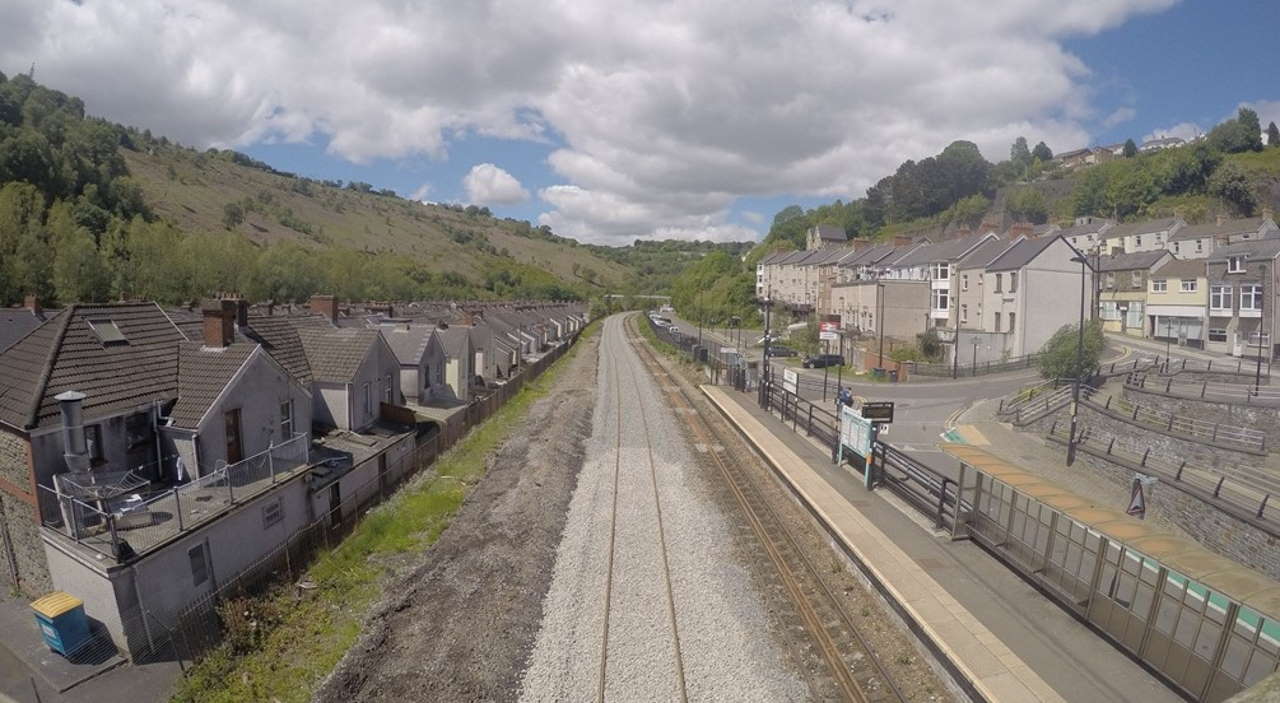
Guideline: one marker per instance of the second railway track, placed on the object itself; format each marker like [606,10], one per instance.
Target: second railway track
[857,672]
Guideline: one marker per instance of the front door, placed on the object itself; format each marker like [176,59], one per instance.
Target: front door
[235,449]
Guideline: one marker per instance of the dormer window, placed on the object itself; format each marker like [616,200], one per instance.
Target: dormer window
[1235,264]
[107,331]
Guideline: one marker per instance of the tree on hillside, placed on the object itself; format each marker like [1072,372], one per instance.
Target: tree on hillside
[1019,154]
[1130,148]
[1243,133]
[1027,205]
[1273,135]
[1090,194]
[1252,126]
[1060,357]
[1231,183]
[787,213]
[1042,152]
[232,215]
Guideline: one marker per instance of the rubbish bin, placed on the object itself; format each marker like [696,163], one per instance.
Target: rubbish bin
[893,375]
[877,372]
[62,622]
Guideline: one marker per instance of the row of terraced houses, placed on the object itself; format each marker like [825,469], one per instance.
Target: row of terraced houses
[150,455]
[995,295]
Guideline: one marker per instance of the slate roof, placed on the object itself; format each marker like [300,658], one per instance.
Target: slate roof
[203,372]
[946,250]
[1228,228]
[1256,249]
[986,253]
[832,233]
[1182,268]
[1021,254]
[1086,228]
[1127,262]
[407,343]
[16,323]
[454,340]
[1145,227]
[66,354]
[280,339]
[335,355]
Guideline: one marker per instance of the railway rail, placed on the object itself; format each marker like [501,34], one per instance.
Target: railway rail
[855,668]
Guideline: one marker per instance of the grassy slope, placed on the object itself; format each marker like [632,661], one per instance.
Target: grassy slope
[306,638]
[195,197]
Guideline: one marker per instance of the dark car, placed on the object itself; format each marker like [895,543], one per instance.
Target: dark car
[779,350]
[821,360]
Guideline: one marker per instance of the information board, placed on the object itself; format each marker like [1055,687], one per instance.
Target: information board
[790,381]
[855,432]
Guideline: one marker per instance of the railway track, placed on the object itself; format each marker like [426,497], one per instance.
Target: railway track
[614,361]
[857,672]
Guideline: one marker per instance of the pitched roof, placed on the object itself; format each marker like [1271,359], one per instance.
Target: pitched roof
[1085,228]
[16,323]
[407,341]
[335,355]
[987,252]
[946,250]
[832,233]
[1184,268]
[127,357]
[1126,262]
[1228,228]
[1021,254]
[454,340]
[1257,248]
[279,338]
[203,372]
[1145,227]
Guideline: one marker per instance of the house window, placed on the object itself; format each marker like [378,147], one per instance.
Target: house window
[964,281]
[368,399]
[1108,310]
[1136,279]
[93,443]
[1013,316]
[1217,334]
[1176,247]
[1188,285]
[999,282]
[1159,285]
[1137,241]
[1250,297]
[388,391]
[1013,281]
[1199,246]
[941,272]
[1220,297]
[964,313]
[199,565]
[272,513]
[939,299]
[286,420]
[1235,264]
[1134,318]
[996,327]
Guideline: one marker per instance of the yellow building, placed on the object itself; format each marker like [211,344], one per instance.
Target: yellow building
[1178,301]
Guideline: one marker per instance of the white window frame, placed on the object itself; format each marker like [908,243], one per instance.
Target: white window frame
[940,272]
[1235,264]
[940,296]
[964,312]
[1252,292]
[286,419]
[999,283]
[1189,285]
[1217,332]
[1159,285]
[1220,297]
[1108,310]
[1135,315]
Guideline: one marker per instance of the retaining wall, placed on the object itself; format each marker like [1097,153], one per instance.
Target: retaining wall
[1255,417]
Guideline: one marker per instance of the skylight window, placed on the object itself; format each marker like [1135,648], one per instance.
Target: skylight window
[108,333]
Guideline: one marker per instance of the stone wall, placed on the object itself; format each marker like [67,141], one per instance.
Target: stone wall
[1263,419]
[26,549]
[14,466]
[1138,437]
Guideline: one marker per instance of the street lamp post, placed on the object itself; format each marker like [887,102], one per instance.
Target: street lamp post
[1075,386]
[1262,320]
[880,288]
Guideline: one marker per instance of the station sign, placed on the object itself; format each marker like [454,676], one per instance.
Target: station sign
[791,381]
[829,330]
[855,432]
[879,411]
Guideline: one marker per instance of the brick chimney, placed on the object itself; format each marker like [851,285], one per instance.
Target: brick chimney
[861,244]
[219,322]
[325,305]
[1021,229]
[902,241]
[32,303]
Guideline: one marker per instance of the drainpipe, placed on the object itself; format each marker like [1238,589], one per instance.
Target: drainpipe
[75,449]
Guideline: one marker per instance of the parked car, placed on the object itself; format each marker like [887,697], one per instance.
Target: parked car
[779,350]
[818,361]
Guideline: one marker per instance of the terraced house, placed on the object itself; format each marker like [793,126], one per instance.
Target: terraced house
[1122,290]
[1242,297]
[1178,302]
[1148,235]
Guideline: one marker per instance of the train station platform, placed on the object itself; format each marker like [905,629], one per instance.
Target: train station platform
[1003,638]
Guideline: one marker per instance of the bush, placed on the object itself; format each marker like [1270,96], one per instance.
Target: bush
[1058,356]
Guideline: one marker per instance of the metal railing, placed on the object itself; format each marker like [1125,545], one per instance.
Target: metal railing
[1181,426]
[1231,393]
[958,368]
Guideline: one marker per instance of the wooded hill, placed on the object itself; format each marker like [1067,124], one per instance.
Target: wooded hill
[91,210]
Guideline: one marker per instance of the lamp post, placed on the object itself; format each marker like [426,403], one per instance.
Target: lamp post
[765,376]
[1257,378]
[880,288]
[1075,386]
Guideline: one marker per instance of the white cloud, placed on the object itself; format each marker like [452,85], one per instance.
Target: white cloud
[421,193]
[487,184]
[1119,116]
[753,217]
[1182,130]
[665,112]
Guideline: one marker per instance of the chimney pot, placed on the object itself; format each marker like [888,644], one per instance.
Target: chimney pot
[325,305]
[32,303]
[219,323]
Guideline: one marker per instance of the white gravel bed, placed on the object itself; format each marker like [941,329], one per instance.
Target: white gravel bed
[728,652]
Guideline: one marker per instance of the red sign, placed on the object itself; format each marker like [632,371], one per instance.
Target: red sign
[828,326]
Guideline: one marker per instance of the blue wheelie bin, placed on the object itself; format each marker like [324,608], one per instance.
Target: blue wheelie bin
[62,622]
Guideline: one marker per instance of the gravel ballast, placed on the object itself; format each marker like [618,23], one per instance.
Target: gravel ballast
[725,641]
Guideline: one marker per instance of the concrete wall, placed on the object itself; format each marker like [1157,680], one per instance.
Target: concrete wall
[906,305]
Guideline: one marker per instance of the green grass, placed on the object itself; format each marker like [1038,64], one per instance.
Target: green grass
[295,643]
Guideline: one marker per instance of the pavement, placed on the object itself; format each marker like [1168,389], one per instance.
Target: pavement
[1000,633]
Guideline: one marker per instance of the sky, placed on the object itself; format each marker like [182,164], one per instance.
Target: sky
[611,121]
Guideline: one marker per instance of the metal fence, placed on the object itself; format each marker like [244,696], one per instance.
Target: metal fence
[723,367]
[1181,426]
[1204,626]
[1231,393]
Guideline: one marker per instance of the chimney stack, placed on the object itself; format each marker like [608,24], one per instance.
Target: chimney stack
[325,305]
[32,303]
[242,311]
[219,323]
[75,449]
[902,241]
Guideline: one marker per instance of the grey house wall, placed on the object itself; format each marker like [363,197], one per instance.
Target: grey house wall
[257,391]
[379,363]
[329,402]
[1051,297]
